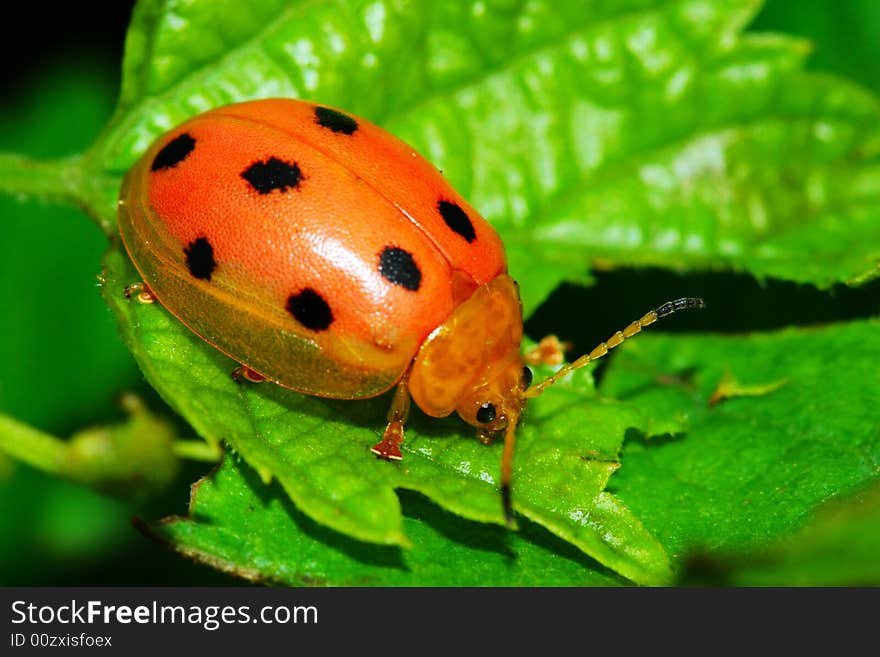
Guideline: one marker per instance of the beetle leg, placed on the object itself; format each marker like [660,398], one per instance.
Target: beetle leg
[389,447]
[140,291]
[245,373]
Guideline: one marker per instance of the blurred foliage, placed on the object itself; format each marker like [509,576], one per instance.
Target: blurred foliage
[845,34]
[62,363]
[837,547]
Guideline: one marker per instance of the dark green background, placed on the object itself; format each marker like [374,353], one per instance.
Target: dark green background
[62,364]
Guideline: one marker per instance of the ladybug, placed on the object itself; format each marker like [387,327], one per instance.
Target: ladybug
[325,255]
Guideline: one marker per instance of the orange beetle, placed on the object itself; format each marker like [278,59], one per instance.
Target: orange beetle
[327,256]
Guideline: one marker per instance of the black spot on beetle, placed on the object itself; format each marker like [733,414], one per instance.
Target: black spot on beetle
[174,152]
[335,121]
[310,309]
[399,267]
[200,258]
[457,220]
[269,175]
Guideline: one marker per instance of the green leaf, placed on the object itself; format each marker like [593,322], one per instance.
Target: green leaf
[240,526]
[634,132]
[837,547]
[748,469]
[317,449]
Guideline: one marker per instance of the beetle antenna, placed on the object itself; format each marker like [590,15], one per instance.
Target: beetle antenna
[667,308]
[507,471]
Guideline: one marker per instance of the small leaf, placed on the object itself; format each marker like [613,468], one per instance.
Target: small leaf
[729,387]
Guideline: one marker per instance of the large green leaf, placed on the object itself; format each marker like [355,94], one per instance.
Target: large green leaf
[240,526]
[784,433]
[799,425]
[318,449]
[632,132]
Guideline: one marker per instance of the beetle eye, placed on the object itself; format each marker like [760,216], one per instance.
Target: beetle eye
[486,413]
[527,377]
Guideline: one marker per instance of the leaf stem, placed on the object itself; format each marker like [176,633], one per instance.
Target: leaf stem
[50,180]
[197,450]
[62,180]
[32,446]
